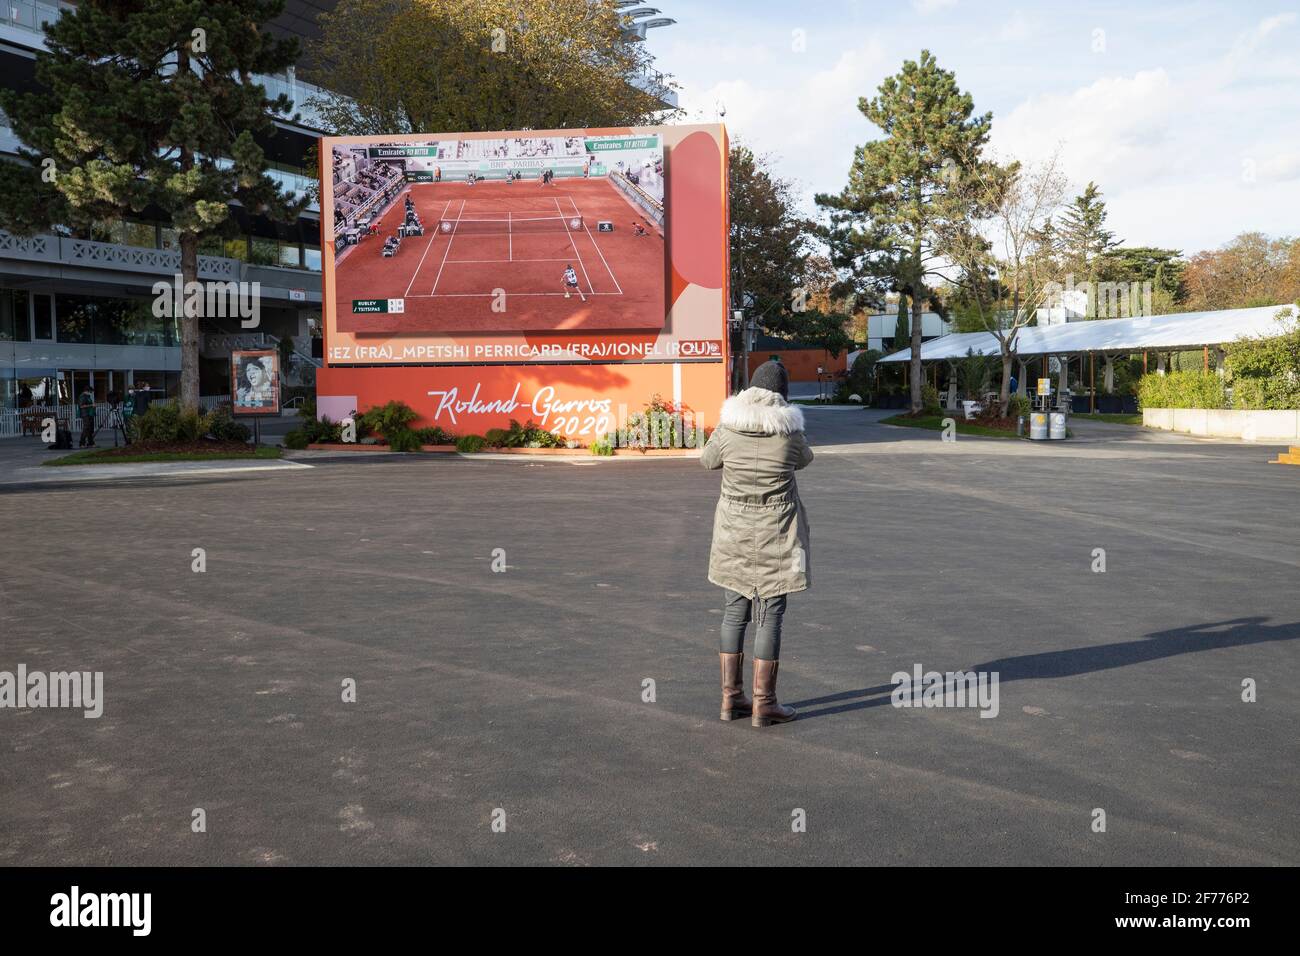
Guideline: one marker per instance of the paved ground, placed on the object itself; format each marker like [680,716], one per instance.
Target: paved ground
[522,690]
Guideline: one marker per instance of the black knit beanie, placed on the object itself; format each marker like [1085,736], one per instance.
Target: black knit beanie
[772,376]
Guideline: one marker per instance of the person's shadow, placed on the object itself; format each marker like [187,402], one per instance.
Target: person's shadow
[1080,660]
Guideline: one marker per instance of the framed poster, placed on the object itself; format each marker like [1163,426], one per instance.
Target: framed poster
[255,382]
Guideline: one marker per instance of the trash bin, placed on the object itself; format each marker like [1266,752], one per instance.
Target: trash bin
[1056,428]
[1038,426]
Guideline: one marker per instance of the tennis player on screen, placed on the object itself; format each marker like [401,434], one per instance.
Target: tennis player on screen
[571,283]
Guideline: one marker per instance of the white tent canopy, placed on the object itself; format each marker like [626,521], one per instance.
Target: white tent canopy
[1164,333]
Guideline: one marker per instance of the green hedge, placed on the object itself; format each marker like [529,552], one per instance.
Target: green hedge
[1182,390]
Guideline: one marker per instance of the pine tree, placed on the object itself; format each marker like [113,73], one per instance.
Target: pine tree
[150,106]
[1081,237]
[884,224]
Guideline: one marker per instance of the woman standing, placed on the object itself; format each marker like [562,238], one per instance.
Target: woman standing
[760,547]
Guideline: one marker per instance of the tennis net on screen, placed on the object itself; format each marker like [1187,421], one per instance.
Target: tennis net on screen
[508,226]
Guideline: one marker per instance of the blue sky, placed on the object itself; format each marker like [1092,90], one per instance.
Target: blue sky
[1186,114]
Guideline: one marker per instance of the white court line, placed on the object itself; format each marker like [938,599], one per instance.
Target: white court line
[427,247]
[569,233]
[593,242]
[504,261]
[438,277]
[510,239]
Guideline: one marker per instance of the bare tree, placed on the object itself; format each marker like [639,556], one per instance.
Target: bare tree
[1002,253]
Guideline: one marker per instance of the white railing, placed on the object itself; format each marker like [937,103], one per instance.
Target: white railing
[11,419]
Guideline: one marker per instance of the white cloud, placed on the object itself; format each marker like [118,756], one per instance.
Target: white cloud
[1016,29]
[1186,157]
[806,116]
[1189,122]
[1117,127]
[927,7]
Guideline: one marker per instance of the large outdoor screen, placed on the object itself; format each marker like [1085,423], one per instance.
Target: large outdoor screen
[538,246]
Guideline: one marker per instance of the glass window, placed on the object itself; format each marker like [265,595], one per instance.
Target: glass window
[171,330]
[42,317]
[169,239]
[76,315]
[263,252]
[290,255]
[311,257]
[15,317]
[236,248]
[162,384]
[143,234]
[22,316]
[129,322]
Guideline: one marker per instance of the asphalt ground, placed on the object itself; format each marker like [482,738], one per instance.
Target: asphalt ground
[520,695]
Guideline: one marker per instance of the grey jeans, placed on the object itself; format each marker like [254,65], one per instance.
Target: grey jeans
[739,610]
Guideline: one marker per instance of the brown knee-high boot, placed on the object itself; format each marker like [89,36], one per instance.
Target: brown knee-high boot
[734,702]
[767,709]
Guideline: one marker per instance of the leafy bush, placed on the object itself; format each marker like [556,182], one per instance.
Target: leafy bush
[862,377]
[389,418]
[223,427]
[604,445]
[168,422]
[1265,370]
[930,399]
[1182,390]
[470,443]
[403,439]
[527,435]
[393,421]
[433,435]
[323,431]
[296,439]
[661,425]
[1019,406]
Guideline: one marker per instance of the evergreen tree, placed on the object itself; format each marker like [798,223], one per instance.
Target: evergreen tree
[901,327]
[1081,237]
[884,224]
[150,107]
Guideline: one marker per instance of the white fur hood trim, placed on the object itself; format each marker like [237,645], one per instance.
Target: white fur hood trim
[761,410]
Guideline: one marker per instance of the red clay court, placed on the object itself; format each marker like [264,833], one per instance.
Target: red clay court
[516,237]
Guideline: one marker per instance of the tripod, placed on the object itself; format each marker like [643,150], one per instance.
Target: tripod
[114,421]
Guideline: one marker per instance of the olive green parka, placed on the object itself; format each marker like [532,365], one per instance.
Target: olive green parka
[761,543]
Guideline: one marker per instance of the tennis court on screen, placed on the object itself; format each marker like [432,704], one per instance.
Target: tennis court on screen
[493,257]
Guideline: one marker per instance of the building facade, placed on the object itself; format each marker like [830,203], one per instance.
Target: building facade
[78,311]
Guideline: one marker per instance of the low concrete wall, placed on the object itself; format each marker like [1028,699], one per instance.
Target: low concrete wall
[1262,426]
